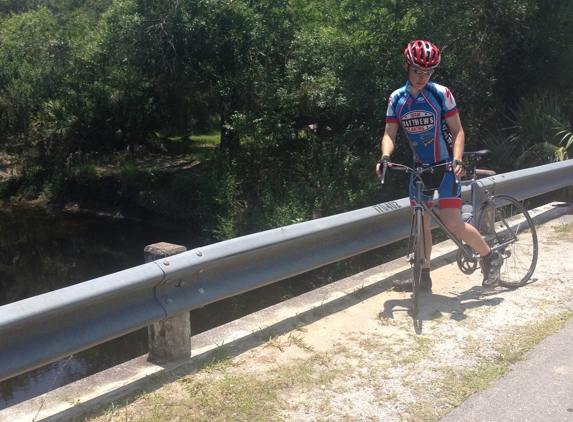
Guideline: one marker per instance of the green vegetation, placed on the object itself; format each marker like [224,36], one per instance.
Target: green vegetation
[291,94]
[564,231]
[409,375]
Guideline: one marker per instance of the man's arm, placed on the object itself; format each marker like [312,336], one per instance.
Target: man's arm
[388,143]
[389,139]
[458,140]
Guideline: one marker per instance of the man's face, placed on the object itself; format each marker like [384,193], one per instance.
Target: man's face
[418,76]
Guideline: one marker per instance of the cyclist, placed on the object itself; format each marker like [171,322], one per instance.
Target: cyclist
[429,117]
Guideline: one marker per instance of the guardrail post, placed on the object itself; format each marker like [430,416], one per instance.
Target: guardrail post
[170,339]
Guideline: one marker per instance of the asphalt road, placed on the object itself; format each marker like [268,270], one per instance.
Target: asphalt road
[538,389]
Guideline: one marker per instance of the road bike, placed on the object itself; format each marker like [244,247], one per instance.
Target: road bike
[502,220]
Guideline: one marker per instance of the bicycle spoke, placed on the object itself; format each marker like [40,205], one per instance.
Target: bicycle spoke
[507,227]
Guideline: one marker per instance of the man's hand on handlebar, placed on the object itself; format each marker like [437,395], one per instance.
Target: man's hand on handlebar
[381,166]
[458,168]
[455,166]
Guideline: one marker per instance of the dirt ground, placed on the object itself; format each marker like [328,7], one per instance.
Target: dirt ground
[183,164]
[387,366]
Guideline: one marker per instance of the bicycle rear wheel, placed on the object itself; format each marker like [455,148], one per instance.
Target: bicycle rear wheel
[508,228]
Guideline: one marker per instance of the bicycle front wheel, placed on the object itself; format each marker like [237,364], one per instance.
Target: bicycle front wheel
[508,229]
[419,258]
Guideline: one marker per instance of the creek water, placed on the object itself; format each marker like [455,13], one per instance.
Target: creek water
[42,250]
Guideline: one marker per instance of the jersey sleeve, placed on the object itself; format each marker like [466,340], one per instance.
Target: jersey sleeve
[450,107]
[391,111]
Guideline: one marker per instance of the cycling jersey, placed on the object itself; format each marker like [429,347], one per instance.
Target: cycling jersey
[423,119]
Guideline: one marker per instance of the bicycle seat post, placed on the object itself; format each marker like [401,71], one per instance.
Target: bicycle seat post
[474,160]
[474,157]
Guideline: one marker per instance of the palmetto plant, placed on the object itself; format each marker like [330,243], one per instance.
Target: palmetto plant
[562,149]
[539,133]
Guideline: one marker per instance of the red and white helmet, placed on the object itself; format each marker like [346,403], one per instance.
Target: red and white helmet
[422,53]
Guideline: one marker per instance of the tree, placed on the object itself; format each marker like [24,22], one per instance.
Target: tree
[32,50]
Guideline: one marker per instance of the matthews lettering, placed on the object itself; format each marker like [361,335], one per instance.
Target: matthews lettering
[418,121]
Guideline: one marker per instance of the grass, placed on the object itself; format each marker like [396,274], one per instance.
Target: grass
[227,389]
[386,321]
[162,183]
[455,385]
[234,397]
[213,139]
[419,377]
[564,231]
[219,359]
[418,348]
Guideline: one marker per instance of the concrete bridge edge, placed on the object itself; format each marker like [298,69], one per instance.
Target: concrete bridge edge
[139,375]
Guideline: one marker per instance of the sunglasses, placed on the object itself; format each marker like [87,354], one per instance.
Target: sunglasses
[422,72]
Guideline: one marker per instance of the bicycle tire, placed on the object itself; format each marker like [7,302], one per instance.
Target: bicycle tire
[417,265]
[503,219]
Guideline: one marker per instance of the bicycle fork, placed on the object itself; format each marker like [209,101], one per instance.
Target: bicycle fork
[417,237]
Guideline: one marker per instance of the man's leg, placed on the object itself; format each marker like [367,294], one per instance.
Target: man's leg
[452,218]
[490,262]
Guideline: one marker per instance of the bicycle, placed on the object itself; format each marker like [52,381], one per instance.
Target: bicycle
[502,220]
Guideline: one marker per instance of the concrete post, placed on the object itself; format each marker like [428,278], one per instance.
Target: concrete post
[169,340]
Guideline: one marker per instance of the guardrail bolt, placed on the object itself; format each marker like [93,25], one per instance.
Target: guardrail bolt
[199,253]
[200,290]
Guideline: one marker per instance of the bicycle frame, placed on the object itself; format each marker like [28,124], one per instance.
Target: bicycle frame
[465,249]
[516,254]
[468,252]
[419,204]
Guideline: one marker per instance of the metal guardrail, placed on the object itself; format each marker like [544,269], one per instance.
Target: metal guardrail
[51,326]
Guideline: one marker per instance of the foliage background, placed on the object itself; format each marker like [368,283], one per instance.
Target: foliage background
[296,91]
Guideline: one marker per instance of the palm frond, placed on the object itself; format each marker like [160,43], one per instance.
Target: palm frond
[566,140]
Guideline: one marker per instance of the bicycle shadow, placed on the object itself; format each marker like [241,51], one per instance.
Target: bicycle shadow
[433,306]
